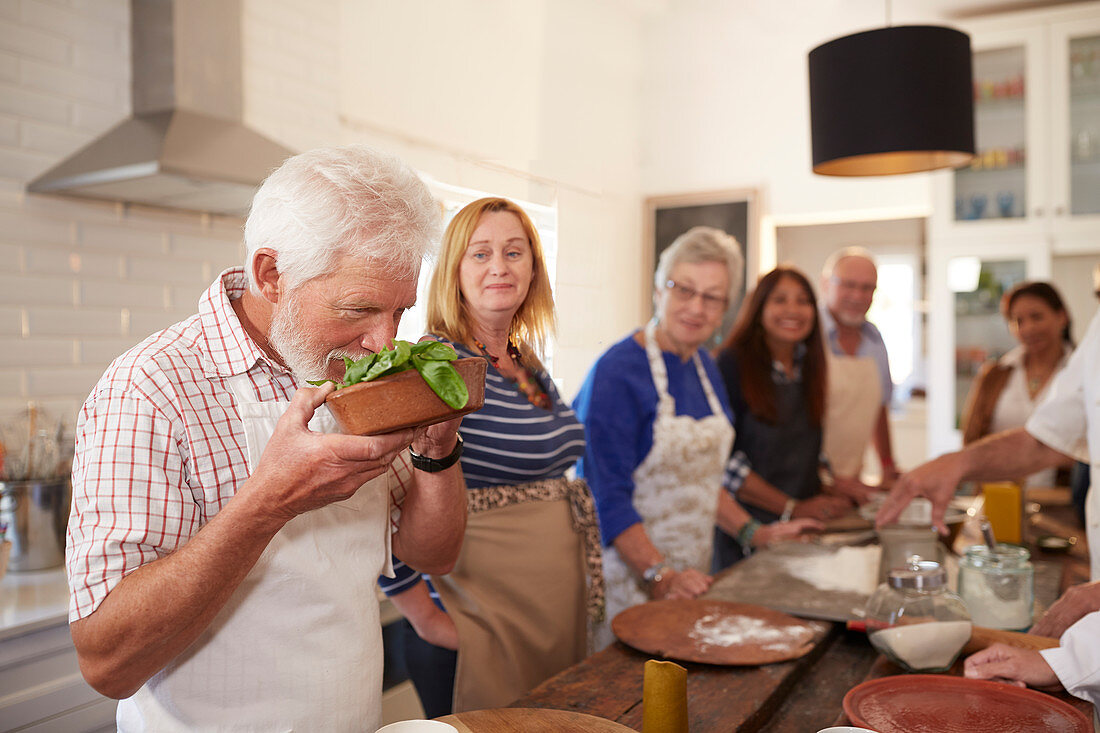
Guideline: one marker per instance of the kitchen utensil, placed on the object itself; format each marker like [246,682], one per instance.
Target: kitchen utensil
[31,446]
[531,720]
[714,632]
[35,513]
[403,400]
[417,726]
[947,704]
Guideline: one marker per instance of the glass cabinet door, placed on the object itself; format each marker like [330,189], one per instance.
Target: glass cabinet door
[1084,125]
[994,186]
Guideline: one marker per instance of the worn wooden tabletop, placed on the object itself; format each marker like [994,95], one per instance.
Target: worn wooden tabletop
[802,695]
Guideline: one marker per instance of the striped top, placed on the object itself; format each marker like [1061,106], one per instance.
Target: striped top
[509,441]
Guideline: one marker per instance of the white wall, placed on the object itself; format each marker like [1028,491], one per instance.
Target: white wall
[80,281]
[726,105]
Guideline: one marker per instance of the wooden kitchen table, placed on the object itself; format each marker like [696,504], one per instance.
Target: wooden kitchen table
[802,695]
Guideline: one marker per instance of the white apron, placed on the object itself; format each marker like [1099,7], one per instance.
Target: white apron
[676,488]
[852,407]
[298,646]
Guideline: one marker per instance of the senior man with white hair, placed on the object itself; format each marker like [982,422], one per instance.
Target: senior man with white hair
[224,541]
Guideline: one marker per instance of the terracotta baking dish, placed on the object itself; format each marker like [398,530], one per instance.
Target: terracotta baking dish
[403,401]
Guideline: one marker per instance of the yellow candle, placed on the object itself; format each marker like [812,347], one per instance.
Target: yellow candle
[664,698]
[1004,509]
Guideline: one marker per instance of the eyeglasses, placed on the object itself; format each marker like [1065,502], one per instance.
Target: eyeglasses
[684,294]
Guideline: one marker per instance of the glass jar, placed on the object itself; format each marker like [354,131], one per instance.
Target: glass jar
[915,621]
[998,586]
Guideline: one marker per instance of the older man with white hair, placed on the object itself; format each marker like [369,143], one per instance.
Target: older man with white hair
[224,540]
[860,387]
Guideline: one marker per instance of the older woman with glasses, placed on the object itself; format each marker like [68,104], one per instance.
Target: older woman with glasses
[659,431]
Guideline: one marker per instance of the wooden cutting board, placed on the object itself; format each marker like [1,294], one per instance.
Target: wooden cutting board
[771,578]
[715,632]
[531,720]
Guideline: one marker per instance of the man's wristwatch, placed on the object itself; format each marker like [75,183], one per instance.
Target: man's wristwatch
[435,465]
[657,572]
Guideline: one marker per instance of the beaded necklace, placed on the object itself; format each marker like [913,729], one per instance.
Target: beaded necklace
[526,382]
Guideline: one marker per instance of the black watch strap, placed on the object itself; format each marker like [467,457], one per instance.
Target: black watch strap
[435,465]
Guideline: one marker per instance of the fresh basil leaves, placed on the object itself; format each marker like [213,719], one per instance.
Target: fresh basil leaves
[431,359]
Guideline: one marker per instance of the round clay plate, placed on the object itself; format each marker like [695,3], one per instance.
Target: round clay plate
[714,632]
[927,703]
[531,720]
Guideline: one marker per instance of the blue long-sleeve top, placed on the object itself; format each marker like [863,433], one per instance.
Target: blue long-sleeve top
[617,404]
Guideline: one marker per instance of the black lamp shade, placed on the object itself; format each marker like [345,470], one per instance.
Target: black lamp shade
[892,100]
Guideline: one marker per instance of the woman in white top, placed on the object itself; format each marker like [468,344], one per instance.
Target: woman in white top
[1007,390]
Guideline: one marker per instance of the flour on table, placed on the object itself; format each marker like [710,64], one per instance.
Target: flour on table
[717,629]
[852,569]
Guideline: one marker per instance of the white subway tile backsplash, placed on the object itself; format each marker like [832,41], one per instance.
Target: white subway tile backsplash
[65,23]
[224,251]
[165,270]
[11,259]
[94,119]
[187,298]
[144,323]
[128,294]
[29,43]
[19,227]
[15,100]
[53,139]
[113,65]
[9,68]
[12,388]
[23,290]
[11,321]
[73,380]
[35,353]
[55,260]
[23,165]
[9,131]
[121,239]
[75,322]
[102,351]
[71,85]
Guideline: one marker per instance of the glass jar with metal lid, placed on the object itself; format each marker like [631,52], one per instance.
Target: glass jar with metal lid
[915,620]
[998,585]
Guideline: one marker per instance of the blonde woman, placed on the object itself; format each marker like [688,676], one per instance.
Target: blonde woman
[527,581]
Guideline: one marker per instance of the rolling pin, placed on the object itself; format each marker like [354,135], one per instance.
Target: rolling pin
[981,637]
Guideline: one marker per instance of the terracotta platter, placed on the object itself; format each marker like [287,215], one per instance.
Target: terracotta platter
[926,703]
[403,401]
[531,720]
[715,632]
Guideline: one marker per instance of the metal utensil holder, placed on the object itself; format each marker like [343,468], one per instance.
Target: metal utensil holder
[36,513]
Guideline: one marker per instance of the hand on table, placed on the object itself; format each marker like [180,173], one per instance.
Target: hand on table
[1068,610]
[776,531]
[688,583]
[821,507]
[1020,667]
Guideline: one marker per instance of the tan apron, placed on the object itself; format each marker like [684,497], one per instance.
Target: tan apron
[676,488]
[526,585]
[298,646]
[852,407]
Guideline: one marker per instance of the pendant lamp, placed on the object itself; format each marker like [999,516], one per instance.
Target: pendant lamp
[892,100]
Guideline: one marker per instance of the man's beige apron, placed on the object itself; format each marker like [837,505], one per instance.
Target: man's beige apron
[298,646]
[524,587]
[852,407]
[676,488]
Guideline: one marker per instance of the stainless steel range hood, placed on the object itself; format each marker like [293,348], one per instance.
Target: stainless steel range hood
[185,146]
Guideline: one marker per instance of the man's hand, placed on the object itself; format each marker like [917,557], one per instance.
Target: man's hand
[1077,602]
[853,489]
[935,480]
[436,441]
[821,507]
[777,531]
[301,470]
[688,583]
[1020,667]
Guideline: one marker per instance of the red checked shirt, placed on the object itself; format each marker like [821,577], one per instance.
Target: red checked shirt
[160,447]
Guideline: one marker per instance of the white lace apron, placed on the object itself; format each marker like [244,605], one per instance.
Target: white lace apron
[676,488]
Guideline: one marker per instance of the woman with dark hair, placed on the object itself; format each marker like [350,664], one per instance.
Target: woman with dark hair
[1007,389]
[773,366]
